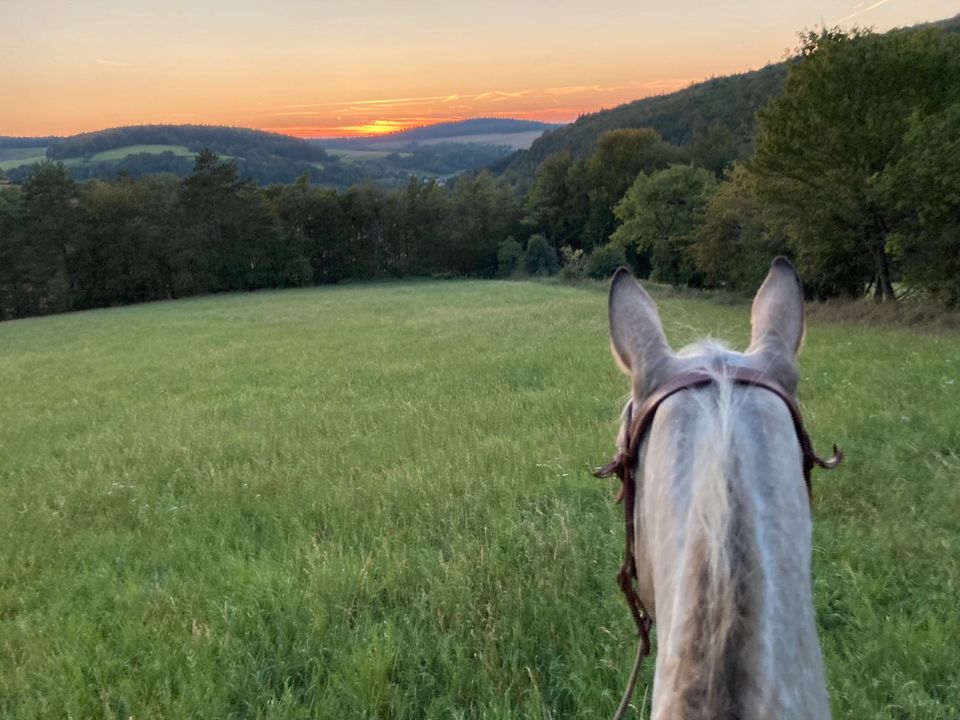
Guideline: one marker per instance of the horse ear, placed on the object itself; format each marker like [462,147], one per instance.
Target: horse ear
[636,335]
[777,313]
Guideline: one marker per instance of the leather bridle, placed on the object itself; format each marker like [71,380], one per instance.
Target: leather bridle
[624,463]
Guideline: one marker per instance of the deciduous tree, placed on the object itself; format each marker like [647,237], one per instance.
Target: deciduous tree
[838,124]
[734,241]
[619,157]
[922,192]
[658,215]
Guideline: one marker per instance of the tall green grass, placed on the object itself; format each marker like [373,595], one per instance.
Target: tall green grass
[374,502]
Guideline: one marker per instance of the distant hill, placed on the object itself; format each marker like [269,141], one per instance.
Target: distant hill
[437,151]
[506,132]
[236,142]
[265,158]
[26,142]
[731,101]
[144,149]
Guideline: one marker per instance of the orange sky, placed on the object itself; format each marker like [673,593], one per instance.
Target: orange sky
[314,68]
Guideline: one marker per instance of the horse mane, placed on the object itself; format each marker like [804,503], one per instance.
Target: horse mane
[712,676]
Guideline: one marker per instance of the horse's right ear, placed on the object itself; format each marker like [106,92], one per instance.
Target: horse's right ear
[636,334]
[777,320]
[777,312]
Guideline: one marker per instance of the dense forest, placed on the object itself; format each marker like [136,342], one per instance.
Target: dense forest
[851,168]
[67,245]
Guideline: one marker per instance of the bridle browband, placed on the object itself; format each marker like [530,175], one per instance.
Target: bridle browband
[624,463]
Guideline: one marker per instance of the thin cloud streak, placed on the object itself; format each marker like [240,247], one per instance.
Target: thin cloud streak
[501,95]
[562,103]
[861,12]
[539,102]
[574,89]
[112,63]
[386,101]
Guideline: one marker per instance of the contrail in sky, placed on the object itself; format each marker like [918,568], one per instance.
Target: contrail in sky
[860,12]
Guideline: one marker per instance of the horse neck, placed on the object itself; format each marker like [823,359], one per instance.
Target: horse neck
[727,525]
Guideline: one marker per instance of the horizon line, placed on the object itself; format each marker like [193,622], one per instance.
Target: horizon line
[291,132]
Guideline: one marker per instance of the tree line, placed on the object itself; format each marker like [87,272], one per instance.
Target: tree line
[853,172]
[66,245]
[256,163]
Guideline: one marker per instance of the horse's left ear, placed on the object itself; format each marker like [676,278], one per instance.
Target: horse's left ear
[777,313]
[636,334]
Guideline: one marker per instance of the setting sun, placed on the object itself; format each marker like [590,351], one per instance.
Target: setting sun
[382,127]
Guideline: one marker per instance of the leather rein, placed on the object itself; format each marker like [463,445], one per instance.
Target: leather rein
[624,463]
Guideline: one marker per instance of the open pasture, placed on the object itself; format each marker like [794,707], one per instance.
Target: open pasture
[521,140]
[15,157]
[356,155]
[516,140]
[122,152]
[374,502]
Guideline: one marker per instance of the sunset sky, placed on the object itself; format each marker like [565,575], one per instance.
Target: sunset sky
[316,68]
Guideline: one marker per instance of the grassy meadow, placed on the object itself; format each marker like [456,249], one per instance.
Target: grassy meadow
[516,140]
[122,152]
[373,501]
[362,155]
[15,157]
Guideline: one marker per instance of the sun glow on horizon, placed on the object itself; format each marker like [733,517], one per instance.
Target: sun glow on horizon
[383,127]
[389,126]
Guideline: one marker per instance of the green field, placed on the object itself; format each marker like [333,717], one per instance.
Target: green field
[122,152]
[15,157]
[364,155]
[516,140]
[373,501]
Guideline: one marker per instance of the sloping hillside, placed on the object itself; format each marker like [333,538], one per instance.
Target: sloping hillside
[7,142]
[730,101]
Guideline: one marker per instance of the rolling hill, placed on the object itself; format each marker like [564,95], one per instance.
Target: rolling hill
[143,149]
[437,151]
[234,141]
